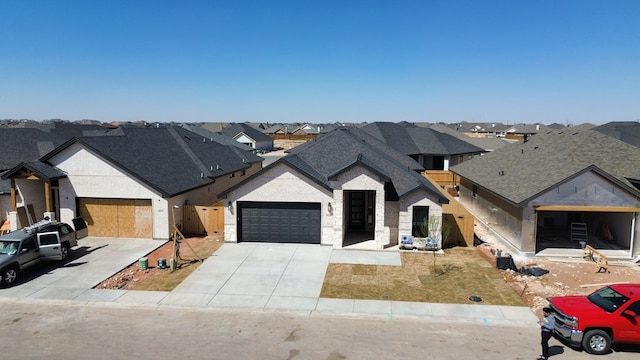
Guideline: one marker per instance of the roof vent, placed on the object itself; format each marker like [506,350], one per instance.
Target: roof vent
[201,175]
[204,140]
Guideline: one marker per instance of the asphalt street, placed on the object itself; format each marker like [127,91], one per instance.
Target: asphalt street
[39,329]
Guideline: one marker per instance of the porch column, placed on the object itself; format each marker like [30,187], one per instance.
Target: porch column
[14,206]
[47,196]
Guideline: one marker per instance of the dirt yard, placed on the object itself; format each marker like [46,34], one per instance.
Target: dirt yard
[157,279]
[567,276]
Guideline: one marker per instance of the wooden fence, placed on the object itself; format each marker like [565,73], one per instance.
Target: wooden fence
[203,220]
[460,220]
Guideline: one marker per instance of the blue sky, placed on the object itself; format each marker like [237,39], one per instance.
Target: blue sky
[509,61]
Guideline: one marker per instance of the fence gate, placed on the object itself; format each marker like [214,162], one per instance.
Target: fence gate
[207,220]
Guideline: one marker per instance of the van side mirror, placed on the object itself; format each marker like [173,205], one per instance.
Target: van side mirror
[629,313]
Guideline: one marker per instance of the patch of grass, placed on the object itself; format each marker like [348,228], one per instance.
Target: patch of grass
[459,274]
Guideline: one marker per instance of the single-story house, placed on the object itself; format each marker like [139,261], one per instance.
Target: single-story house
[127,182]
[248,135]
[627,131]
[434,150]
[342,188]
[534,192]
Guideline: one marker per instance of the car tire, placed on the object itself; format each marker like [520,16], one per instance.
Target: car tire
[596,342]
[9,275]
[64,251]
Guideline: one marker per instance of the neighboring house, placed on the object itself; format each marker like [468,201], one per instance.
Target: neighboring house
[627,131]
[277,129]
[523,131]
[306,129]
[344,187]
[250,136]
[126,182]
[432,149]
[531,192]
[215,136]
[487,143]
[28,141]
[214,126]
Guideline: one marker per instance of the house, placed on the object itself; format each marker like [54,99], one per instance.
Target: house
[627,131]
[531,192]
[126,182]
[432,149]
[487,143]
[249,135]
[28,141]
[342,188]
[216,136]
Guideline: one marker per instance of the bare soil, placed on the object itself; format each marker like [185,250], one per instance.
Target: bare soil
[155,278]
[567,276]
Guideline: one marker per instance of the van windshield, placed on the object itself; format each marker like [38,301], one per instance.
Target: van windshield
[607,299]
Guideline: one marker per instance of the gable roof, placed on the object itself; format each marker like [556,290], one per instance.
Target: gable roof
[236,129]
[334,152]
[523,170]
[216,136]
[171,160]
[412,140]
[627,131]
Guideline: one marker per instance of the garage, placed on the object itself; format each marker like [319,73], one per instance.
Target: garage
[121,218]
[279,222]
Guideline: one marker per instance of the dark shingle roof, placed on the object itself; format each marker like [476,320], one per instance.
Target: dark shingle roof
[520,171]
[171,160]
[338,150]
[216,136]
[235,129]
[23,144]
[413,140]
[627,131]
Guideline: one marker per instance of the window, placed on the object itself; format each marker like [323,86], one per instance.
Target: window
[48,239]
[420,221]
[29,244]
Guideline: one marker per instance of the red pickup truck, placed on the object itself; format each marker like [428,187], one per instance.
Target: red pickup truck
[609,315]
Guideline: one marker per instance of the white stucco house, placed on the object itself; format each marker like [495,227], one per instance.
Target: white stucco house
[126,182]
[535,192]
[342,188]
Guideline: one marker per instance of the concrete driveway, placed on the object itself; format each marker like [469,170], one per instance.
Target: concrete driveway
[249,277]
[93,260]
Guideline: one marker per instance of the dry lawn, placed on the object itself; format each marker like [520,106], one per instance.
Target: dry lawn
[452,278]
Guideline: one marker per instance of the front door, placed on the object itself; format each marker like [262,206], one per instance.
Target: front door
[356,210]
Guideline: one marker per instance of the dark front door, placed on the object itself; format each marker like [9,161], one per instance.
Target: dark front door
[356,210]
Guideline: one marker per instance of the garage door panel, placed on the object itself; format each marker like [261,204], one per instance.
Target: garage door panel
[279,222]
[131,218]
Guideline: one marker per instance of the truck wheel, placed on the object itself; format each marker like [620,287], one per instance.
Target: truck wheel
[596,342]
[64,251]
[9,275]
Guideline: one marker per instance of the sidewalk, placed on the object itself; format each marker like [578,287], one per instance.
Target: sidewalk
[273,278]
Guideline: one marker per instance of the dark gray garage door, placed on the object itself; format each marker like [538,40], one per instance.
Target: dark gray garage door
[279,222]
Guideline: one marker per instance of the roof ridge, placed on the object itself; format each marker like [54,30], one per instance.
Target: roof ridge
[183,145]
